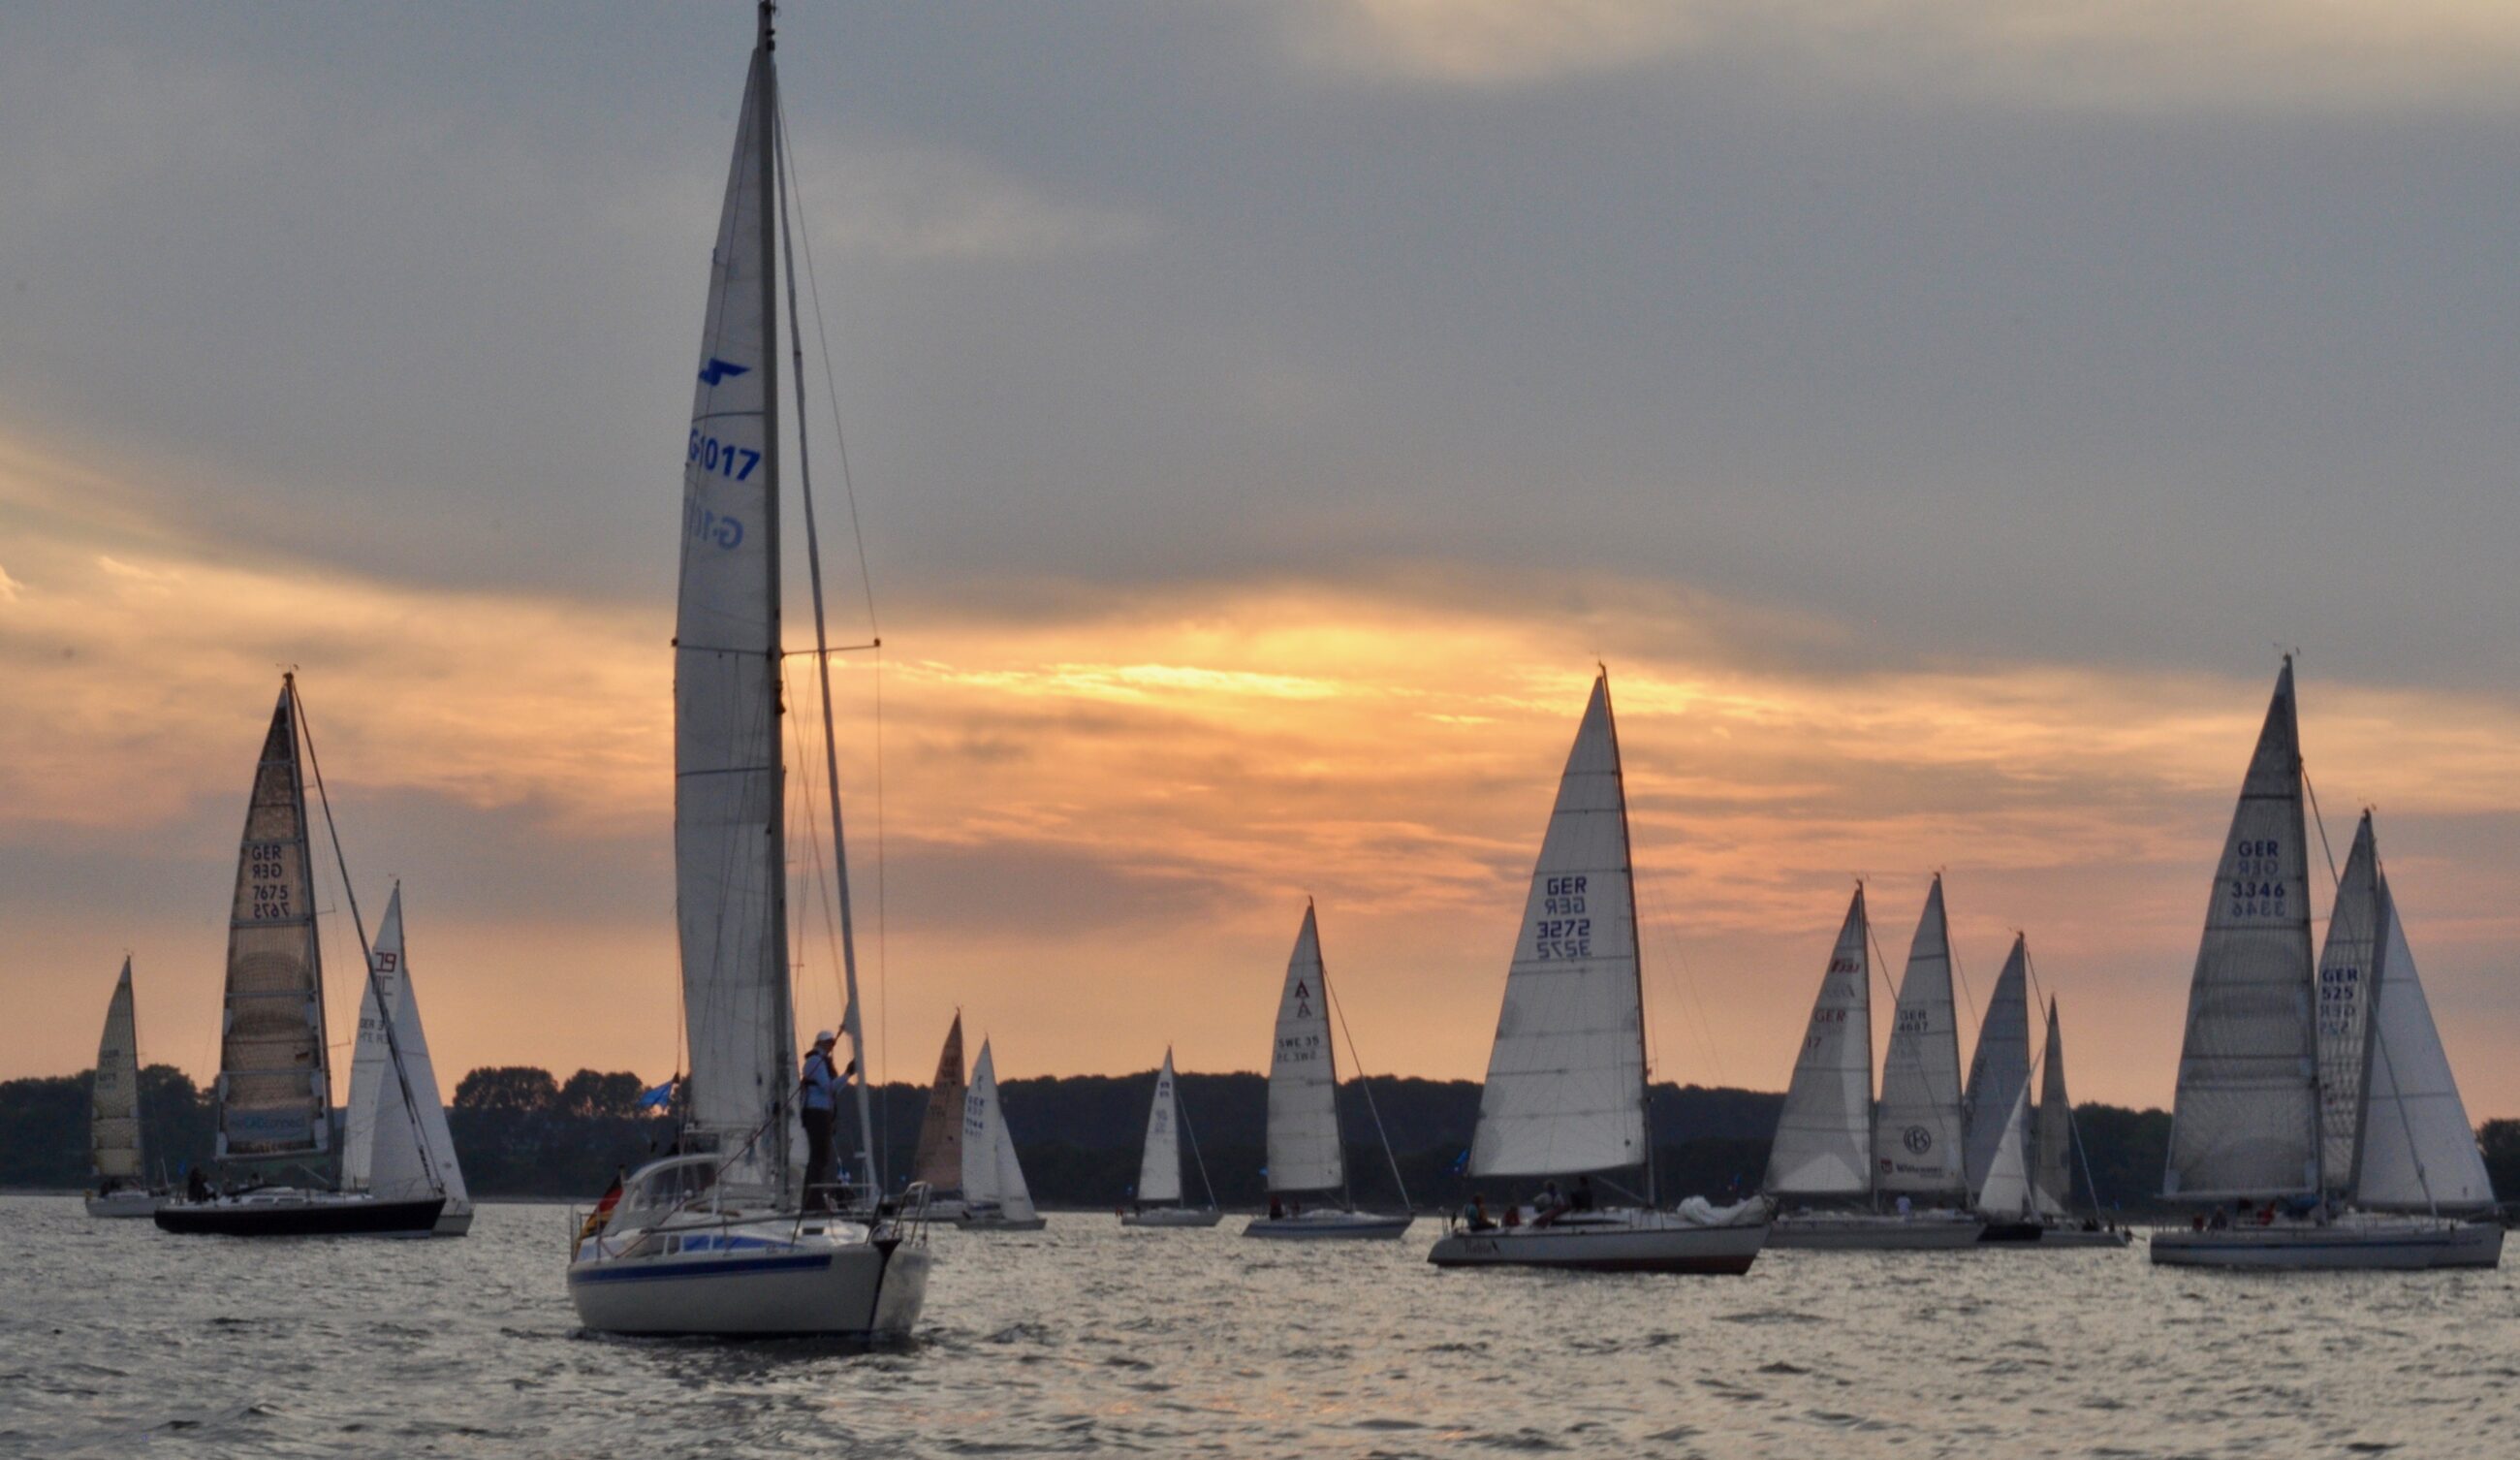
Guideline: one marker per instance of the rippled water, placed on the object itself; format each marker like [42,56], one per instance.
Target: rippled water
[1090,1338]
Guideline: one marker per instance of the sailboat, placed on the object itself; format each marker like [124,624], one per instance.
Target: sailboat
[274,1091]
[1307,1149]
[2050,1159]
[1158,1202]
[377,1133]
[1837,1155]
[721,1238]
[115,1148]
[2315,1110]
[1565,1090]
[938,1159]
[997,1197]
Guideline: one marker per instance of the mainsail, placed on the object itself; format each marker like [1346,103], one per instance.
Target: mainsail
[2245,1123]
[2052,1181]
[114,1097]
[2419,1151]
[1159,1168]
[381,1134]
[989,1171]
[275,1084]
[1304,1152]
[1824,1145]
[1917,1130]
[2001,1069]
[939,1157]
[2346,965]
[729,862]
[1566,1083]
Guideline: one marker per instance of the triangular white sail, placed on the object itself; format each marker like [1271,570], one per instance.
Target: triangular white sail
[275,1076]
[2419,1151]
[114,1097]
[1304,1152]
[381,1136]
[2346,964]
[1159,1168]
[939,1157]
[2052,1185]
[990,1172]
[1917,1129]
[2001,1069]
[1824,1145]
[1565,1083]
[729,863]
[2245,1123]
[2006,1192]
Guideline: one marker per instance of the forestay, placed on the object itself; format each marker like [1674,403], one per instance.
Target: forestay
[2245,1123]
[2053,1138]
[1566,1083]
[990,1171]
[939,1157]
[275,1077]
[2000,1068]
[729,851]
[1917,1130]
[1159,1171]
[1824,1145]
[114,1099]
[2346,965]
[2419,1151]
[381,1136]
[1304,1153]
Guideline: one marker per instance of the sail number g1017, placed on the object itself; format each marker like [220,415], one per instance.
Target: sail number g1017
[725,458]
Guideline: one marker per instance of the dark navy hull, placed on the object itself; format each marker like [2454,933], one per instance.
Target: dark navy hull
[313,1217]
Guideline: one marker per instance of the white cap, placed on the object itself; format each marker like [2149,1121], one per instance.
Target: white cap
[824,1037]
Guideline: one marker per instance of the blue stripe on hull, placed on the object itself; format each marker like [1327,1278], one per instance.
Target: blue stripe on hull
[624,1273]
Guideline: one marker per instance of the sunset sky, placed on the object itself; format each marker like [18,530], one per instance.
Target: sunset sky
[1262,417]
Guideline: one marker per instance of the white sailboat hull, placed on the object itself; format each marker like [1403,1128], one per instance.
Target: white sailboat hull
[1873,1231]
[769,1279]
[1328,1225]
[1171,1217]
[1609,1242]
[2394,1245]
[454,1221]
[122,1204]
[2068,1236]
[990,1220]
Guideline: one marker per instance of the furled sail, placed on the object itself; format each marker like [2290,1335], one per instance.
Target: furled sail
[2006,1192]
[114,1096]
[275,1084]
[2419,1151]
[1824,1145]
[1565,1084]
[990,1172]
[1917,1130]
[1159,1168]
[2346,965]
[2051,1184]
[1303,1077]
[939,1157]
[381,1136]
[2001,1069]
[729,830]
[2245,1123]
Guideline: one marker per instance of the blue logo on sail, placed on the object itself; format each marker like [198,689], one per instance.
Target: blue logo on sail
[718,371]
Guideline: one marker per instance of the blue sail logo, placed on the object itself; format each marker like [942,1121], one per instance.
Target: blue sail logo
[718,371]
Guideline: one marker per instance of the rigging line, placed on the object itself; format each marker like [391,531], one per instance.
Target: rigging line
[2073,1122]
[1357,1062]
[831,381]
[1666,931]
[882,959]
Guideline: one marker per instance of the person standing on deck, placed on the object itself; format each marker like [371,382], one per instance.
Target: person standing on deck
[819,1104]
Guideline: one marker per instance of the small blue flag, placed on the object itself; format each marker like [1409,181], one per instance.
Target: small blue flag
[657,1096]
[1461,1163]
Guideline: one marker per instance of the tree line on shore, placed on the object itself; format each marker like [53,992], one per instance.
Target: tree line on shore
[521,1132]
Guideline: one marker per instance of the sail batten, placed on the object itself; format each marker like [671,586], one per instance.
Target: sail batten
[1565,1083]
[2246,1119]
[274,1087]
[1917,1126]
[113,1094]
[1304,1146]
[1824,1144]
[2000,1068]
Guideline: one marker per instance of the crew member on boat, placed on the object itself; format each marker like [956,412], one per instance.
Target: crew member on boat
[819,1104]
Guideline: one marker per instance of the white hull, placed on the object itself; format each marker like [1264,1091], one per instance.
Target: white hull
[126,1204]
[758,1279]
[2338,1247]
[454,1221]
[1171,1217]
[1608,1242]
[1329,1226]
[1874,1232]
